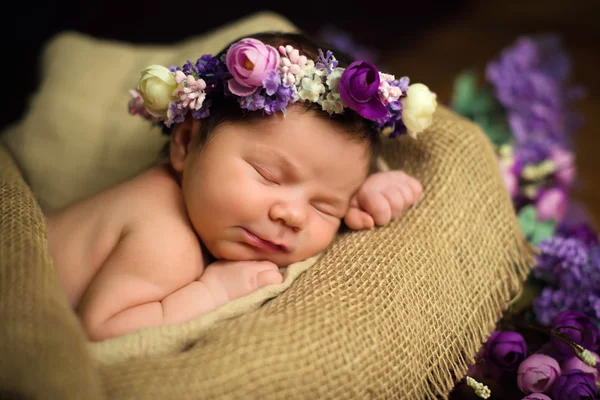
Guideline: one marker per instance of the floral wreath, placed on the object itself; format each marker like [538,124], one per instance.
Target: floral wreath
[263,78]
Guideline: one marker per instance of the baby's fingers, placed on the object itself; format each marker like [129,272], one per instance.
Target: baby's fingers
[416,188]
[397,199]
[357,219]
[377,206]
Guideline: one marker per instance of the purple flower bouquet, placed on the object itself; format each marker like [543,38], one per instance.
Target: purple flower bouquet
[525,109]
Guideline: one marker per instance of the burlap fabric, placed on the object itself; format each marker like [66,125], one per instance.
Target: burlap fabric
[397,312]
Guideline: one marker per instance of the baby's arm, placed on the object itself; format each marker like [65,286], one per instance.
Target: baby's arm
[382,198]
[134,288]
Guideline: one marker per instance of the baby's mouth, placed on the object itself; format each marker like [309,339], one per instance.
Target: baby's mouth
[263,244]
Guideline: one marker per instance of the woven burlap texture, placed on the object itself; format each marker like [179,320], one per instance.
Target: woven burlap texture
[42,347]
[397,312]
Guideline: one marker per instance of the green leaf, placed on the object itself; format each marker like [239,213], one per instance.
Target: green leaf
[495,130]
[543,230]
[484,103]
[527,220]
[464,93]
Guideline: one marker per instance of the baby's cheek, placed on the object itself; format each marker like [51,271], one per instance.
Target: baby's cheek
[324,232]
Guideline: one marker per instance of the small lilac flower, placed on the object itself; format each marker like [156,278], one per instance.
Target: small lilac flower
[253,102]
[549,303]
[505,350]
[189,68]
[552,301]
[563,260]
[326,61]
[175,114]
[271,82]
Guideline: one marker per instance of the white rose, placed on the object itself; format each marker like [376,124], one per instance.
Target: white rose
[417,108]
[156,86]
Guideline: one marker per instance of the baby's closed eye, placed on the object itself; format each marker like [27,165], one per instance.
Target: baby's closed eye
[328,209]
[267,175]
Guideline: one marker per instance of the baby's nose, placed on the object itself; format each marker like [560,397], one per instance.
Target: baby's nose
[292,215]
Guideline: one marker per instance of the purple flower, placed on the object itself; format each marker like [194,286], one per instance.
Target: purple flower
[533,151]
[537,373]
[326,61]
[175,114]
[575,363]
[253,102]
[582,231]
[536,396]
[551,301]
[272,82]
[574,384]
[564,261]
[359,87]
[505,350]
[585,334]
[532,81]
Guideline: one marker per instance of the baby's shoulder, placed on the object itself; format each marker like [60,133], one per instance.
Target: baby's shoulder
[159,223]
[154,197]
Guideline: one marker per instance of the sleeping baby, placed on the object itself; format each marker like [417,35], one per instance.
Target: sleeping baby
[271,148]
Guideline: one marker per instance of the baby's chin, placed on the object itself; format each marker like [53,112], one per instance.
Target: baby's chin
[233,251]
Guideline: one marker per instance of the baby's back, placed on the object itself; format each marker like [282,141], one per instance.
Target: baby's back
[83,235]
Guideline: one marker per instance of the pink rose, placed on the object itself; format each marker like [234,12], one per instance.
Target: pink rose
[576,363]
[536,396]
[537,373]
[552,204]
[565,168]
[250,61]
[510,180]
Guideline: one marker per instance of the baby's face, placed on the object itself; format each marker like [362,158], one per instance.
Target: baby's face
[273,189]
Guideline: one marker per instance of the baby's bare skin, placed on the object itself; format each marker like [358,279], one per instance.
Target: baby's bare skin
[142,221]
[259,195]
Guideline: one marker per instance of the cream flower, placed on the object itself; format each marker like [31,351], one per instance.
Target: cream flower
[308,70]
[312,89]
[333,80]
[333,104]
[156,86]
[418,108]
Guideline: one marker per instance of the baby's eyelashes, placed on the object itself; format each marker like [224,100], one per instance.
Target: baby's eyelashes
[267,175]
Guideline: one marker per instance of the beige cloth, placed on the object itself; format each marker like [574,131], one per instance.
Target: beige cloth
[397,312]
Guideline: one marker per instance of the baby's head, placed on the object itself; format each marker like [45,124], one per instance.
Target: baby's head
[269,171]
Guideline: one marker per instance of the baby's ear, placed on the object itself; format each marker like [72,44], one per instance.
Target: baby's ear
[182,137]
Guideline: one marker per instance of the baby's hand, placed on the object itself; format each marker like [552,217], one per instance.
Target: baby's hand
[229,280]
[381,199]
